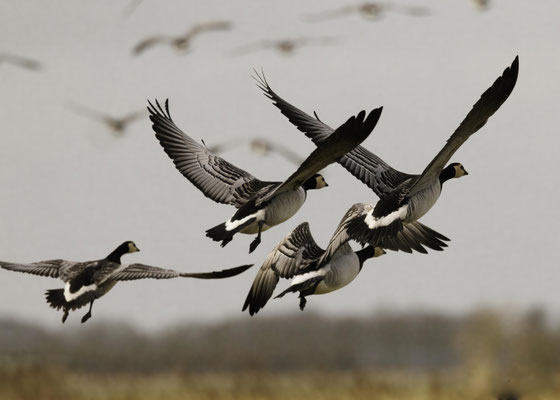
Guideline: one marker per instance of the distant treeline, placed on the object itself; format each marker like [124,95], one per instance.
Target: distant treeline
[386,340]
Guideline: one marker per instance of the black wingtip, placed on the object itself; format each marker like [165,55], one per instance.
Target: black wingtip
[158,111]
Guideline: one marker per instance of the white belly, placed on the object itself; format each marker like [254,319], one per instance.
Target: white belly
[282,208]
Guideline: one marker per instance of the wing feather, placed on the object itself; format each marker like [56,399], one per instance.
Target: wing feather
[49,268]
[142,271]
[294,253]
[216,178]
[360,162]
[484,108]
[346,137]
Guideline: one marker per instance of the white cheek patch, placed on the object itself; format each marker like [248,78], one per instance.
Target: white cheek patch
[69,296]
[231,225]
[373,222]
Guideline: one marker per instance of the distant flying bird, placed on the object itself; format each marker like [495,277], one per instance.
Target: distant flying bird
[87,281]
[284,46]
[298,257]
[258,145]
[482,5]
[132,6]
[19,61]
[117,125]
[260,204]
[181,42]
[404,198]
[368,10]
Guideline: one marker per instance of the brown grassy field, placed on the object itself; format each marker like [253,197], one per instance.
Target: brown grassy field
[55,383]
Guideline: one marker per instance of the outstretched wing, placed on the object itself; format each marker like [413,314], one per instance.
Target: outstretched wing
[141,271]
[50,268]
[216,178]
[148,43]
[346,137]
[209,26]
[225,273]
[360,162]
[293,254]
[484,108]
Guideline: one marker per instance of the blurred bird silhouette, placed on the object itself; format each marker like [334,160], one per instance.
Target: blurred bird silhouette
[21,62]
[283,46]
[368,10]
[508,395]
[131,7]
[259,145]
[482,5]
[117,125]
[183,42]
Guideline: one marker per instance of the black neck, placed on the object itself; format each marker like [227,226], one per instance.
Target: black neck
[115,256]
[365,254]
[446,174]
[309,184]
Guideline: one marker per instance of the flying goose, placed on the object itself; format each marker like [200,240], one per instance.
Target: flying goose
[260,204]
[258,145]
[284,46]
[87,281]
[404,198]
[19,61]
[299,257]
[368,10]
[117,125]
[180,42]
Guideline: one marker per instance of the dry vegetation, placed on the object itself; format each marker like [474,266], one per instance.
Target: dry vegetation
[46,383]
[388,356]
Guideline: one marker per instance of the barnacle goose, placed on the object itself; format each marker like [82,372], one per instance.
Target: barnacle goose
[260,204]
[180,42]
[404,198]
[314,270]
[87,281]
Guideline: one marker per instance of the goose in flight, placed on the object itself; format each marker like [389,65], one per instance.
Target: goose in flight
[298,257]
[87,281]
[21,62]
[260,204]
[117,125]
[404,198]
[283,46]
[368,10]
[259,145]
[181,42]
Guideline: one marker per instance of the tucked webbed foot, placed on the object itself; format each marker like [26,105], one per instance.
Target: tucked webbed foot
[86,317]
[257,240]
[302,303]
[254,244]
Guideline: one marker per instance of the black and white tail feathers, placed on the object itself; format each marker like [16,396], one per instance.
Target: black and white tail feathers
[55,298]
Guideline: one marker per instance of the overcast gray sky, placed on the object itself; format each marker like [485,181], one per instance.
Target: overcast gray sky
[71,190]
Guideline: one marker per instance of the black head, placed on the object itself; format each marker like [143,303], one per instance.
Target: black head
[317,181]
[369,252]
[453,170]
[125,248]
